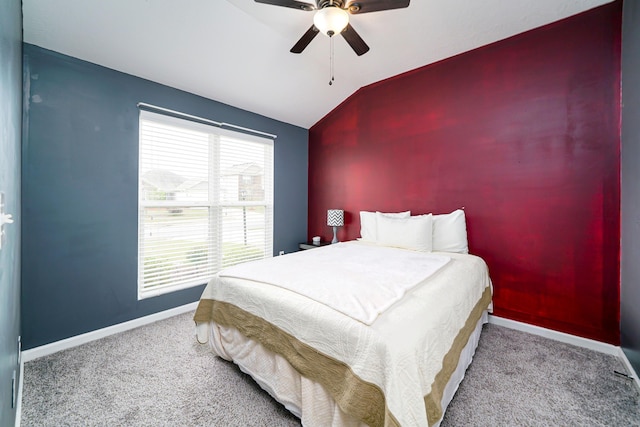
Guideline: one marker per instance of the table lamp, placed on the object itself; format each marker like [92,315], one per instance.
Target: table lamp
[335,219]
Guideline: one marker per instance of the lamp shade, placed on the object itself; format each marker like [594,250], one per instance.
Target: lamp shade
[335,217]
[331,20]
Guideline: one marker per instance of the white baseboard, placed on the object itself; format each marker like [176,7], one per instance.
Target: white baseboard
[54,347]
[570,339]
[632,373]
[557,336]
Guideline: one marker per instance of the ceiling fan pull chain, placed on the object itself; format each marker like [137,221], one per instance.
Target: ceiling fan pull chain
[331,77]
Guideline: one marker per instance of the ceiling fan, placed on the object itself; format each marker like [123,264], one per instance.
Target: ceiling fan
[332,17]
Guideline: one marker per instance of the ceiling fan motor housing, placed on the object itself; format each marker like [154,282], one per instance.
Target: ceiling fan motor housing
[352,8]
[324,3]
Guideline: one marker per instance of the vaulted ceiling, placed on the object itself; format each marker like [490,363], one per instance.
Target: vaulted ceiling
[237,51]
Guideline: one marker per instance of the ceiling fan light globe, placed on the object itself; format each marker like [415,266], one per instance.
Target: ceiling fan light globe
[331,20]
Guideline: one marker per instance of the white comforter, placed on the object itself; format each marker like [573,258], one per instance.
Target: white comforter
[358,280]
[401,351]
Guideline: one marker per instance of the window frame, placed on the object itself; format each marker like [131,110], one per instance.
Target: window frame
[215,204]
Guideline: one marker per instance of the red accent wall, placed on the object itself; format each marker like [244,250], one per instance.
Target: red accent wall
[525,134]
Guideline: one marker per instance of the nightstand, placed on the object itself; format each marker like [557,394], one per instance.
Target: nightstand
[310,245]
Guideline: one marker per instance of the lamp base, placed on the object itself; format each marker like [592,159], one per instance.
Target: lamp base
[335,238]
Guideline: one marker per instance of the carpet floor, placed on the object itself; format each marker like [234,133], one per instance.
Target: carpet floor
[157,375]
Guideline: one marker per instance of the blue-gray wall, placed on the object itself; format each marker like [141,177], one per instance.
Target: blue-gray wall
[80,199]
[630,253]
[10,131]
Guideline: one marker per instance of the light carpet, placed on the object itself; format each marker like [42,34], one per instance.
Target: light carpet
[157,375]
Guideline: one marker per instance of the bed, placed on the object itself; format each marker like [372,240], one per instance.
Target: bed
[355,333]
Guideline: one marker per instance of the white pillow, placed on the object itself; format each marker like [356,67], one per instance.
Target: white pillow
[368,227]
[413,233]
[450,232]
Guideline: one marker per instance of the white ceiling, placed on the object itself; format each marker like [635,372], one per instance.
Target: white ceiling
[237,51]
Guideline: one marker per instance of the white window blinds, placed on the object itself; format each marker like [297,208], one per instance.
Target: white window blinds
[205,202]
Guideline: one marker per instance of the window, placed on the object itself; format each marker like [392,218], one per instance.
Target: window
[205,202]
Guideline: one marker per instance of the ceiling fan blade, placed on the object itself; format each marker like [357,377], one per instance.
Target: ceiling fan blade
[289,3]
[305,40]
[366,6]
[355,41]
